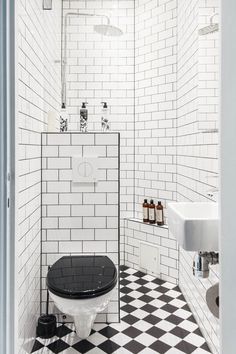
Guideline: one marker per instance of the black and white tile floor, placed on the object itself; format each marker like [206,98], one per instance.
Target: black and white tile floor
[155,318]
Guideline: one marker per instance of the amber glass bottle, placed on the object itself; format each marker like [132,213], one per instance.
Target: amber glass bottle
[159,214]
[145,210]
[152,216]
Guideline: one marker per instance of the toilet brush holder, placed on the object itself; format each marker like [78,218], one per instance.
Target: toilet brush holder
[47,324]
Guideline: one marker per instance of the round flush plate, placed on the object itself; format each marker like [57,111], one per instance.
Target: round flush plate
[85,169]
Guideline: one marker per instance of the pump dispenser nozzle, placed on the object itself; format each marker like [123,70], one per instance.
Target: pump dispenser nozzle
[83,118]
[104,104]
[104,119]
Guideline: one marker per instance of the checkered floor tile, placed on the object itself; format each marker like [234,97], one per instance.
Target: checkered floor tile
[155,318]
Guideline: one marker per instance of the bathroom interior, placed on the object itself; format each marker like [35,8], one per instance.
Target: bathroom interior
[117,102]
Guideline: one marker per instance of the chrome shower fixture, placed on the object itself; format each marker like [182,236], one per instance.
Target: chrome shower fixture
[201,263]
[47,4]
[103,29]
[213,27]
[108,30]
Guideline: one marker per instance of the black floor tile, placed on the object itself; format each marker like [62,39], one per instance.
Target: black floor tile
[165,298]
[186,308]
[123,268]
[128,308]
[143,289]
[169,308]
[108,346]
[125,290]
[127,299]
[141,281]
[160,347]
[162,289]
[198,332]
[130,319]
[156,332]
[124,282]
[192,319]
[146,298]
[132,332]
[205,347]
[158,281]
[148,308]
[58,346]
[186,347]
[134,347]
[124,275]
[139,274]
[108,332]
[83,346]
[37,346]
[63,331]
[174,319]
[179,332]
[152,319]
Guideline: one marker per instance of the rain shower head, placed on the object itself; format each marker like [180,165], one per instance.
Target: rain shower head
[209,29]
[108,30]
[104,29]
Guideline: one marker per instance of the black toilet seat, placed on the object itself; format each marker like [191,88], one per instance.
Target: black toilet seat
[82,277]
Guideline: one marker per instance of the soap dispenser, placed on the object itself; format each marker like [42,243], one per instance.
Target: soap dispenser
[64,119]
[84,117]
[104,118]
[159,214]
[145,211]
[152,216]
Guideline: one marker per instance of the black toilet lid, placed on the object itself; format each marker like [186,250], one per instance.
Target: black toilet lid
[82,277]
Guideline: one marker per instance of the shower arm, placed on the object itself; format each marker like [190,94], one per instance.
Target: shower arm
[211,18]
[64,56]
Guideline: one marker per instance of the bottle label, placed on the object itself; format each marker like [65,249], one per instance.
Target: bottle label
[159,215]
[152,214]
[145,213]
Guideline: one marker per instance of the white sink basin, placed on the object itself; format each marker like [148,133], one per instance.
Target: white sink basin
[194,225]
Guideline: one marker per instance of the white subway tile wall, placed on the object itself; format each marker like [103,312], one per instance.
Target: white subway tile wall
[208,71]
[101,68]
[38,92]
[80,218]
[197,149]
[155,103]
[194,291]
[160,80]
[136,232]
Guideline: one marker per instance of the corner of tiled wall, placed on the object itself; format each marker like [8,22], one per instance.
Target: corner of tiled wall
[38,92]
[197,139]
[155,101]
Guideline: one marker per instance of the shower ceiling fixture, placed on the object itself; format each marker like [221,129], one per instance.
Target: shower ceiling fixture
[108,30]
[47,4]
[213,27]
[103,29]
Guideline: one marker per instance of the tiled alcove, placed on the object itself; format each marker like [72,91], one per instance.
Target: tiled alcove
[80,218]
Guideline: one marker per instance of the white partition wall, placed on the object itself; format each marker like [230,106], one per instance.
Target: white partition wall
[228,178]
[80,217]
[7,207]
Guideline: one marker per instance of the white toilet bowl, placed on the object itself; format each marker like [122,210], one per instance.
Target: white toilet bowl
[82,286]
[83,311]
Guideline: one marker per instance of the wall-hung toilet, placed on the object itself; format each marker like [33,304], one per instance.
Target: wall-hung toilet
[82,286]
